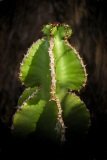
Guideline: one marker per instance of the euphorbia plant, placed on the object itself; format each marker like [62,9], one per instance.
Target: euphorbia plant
[50,69]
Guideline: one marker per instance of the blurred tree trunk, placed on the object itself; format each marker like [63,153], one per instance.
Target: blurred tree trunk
[20,25]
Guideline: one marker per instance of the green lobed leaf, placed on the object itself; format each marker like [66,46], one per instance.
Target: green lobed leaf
[76,115]
[26,118]
[34,70]
[70,72]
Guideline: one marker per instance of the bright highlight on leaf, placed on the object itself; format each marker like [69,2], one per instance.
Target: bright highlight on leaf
[48,70]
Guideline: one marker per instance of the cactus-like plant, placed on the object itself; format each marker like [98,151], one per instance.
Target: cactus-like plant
[49,70]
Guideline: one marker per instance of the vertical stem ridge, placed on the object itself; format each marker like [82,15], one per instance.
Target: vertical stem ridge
[60,126]
[52,69]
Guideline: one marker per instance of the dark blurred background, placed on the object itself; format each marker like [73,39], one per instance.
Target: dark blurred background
[20,25]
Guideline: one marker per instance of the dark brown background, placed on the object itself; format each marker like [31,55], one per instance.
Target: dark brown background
[20,25]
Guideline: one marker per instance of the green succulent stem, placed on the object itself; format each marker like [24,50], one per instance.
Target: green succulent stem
[51,67]
[53,90]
